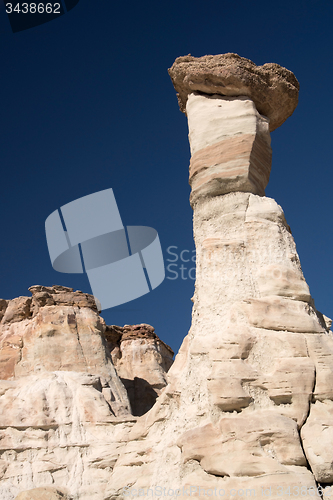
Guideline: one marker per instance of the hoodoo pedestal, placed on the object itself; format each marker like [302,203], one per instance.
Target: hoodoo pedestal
[249,405]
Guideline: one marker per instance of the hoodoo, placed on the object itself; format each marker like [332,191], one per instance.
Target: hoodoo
[249,404]
[231,106]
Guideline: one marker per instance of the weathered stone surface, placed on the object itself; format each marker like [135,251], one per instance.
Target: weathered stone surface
[320,348]
[59,338]
[278,279]
[64,410]
[231,105]
[3,307]
[251,359]
[215,119]
[253,377]
[41,494]
[142,361]
[273,89]
[230,146]
[17,310]
[275,313]
[21,308]
[60,295]
[61,401]
[328,322]
[242,446]
[317,436]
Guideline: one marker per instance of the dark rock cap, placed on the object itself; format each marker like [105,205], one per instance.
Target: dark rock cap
[273,89]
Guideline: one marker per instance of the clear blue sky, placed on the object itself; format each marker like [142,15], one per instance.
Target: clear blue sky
[87,104]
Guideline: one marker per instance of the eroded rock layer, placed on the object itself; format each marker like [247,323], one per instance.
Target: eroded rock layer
[248,410]
[64,410]
[230,146]
[142,361]
[273,89]
[254,374]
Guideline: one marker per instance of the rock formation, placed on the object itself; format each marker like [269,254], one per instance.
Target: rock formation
[248,410]
[273,89]
[141,360]
[248,406]
[64,410]
[229,124]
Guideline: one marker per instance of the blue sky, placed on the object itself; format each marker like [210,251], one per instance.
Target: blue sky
[87,104]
